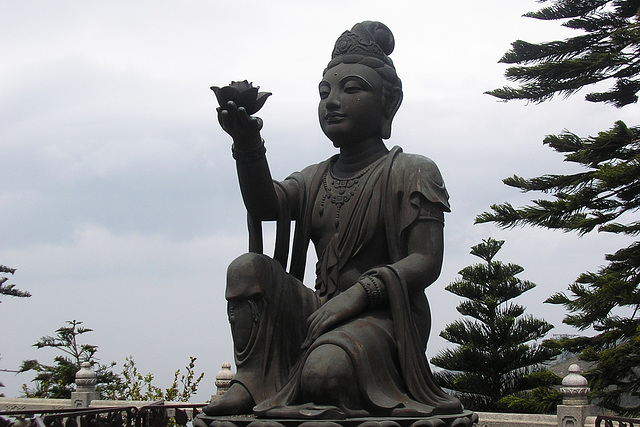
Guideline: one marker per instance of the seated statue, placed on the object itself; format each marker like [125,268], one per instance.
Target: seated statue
[354,346]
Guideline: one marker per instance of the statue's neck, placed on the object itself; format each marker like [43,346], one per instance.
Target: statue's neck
[353,158]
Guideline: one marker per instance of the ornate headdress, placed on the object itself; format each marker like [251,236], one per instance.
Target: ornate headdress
[368,38]
[368,43]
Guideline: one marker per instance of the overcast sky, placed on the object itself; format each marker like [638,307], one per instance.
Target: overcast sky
[119,204]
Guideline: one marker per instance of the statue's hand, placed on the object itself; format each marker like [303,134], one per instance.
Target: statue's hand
[338,309]
[243,128]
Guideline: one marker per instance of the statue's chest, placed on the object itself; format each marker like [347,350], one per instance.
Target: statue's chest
[346,209]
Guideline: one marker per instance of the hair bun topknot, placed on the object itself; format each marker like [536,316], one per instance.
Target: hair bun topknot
[368,41]
[376,32]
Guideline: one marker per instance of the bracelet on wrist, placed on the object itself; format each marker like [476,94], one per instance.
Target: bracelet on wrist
[250,155]
[374,288]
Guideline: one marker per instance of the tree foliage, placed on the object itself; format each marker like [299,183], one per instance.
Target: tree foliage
[496,366]
[57,381]
[605,196]
[607,49]
[594,198]
[132,385]
[10,289]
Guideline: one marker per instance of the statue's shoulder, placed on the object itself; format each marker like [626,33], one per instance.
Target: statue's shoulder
[410,163]
[415,159]
[311,170]
[308,173]
[414,173]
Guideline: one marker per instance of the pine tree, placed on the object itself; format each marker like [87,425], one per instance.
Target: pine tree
[496,365]
[608,48]
[10,290]
[57,381]
[608,190]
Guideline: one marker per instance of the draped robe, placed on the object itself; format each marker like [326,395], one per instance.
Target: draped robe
[386,344]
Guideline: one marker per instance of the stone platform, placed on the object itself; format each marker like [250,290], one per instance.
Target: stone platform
[464,419]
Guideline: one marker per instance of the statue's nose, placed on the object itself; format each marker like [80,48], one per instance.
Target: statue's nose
[333,103]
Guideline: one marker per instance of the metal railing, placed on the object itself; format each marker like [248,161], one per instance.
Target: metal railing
[153,415]
[610,421]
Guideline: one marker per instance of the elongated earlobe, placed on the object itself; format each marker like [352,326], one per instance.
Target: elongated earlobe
[392,102]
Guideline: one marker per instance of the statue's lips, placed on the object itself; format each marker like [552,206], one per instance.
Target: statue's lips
[334,117]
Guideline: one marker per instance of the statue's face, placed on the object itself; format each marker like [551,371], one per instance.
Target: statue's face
[351,107]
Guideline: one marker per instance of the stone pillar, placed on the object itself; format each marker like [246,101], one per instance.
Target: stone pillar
[85,387]
[223,380]
[575,406]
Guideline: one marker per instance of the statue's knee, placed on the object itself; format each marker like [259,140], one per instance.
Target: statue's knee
[327,369]
[245,276]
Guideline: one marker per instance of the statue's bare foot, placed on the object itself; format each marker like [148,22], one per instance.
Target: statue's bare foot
[236,401]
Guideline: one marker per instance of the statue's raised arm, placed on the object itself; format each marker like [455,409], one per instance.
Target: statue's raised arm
[238,102]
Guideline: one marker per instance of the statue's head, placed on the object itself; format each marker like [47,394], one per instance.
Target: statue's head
[361,57]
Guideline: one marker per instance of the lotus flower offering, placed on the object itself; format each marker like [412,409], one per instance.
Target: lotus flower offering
[243,94]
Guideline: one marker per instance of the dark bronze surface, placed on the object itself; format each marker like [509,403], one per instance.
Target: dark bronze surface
[355,346]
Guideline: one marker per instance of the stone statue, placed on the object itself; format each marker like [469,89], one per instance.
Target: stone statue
[355,345]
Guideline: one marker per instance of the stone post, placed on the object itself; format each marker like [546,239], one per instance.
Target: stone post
[575,406]
[223,380]
[85,387]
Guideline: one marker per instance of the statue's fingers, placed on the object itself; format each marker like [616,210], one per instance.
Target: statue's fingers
[312,328]
[223,118]
[320,328]
[242,115]
[257,123]
[307,343]
[313,332]
[231,106]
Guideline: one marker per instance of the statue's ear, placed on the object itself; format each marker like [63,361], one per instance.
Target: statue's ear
[391,102]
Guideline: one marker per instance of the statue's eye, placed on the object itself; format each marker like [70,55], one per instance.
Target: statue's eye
[352,88]
[324,91]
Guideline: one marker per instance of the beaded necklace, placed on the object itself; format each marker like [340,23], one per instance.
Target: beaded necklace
[340,190]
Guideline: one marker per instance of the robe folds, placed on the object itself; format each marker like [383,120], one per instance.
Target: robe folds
[386,344]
